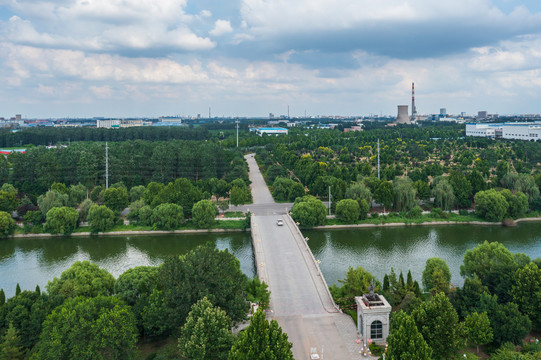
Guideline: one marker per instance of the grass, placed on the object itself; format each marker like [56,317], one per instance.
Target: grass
[397,218]
[233,214]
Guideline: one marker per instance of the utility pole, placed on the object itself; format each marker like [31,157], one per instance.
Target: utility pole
[329,200]
[378,159]
[106,165]
[237,122]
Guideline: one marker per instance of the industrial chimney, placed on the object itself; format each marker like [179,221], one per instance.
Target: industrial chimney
[413,108]
[403,115]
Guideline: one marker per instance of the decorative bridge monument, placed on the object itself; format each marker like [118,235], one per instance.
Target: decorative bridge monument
[300,298]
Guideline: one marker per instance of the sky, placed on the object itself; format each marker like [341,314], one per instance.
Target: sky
[130,58]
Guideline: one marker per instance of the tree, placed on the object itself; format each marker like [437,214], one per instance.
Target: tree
[491,205]
[2,297]
[116,199]
[82,279]
[508,323]
[204,214]
[62,220]
[444,197]
[359,191]
[10,348]
[423,190]
[137,193]
[518,203]
[348,210]
[206,333]
[437,321]
[238,195]
[309,211]
[256,292]
[477,328]
[526,292]
[461,188]
[261,340]
[101,218]
[405,341]
[484,259]
[101,327]
[84,208]
[52,199]
[203,272]
[429,276]
[77,193]
[167,216]
[405,194]
[477,181]
[8,201]
[7,225]
[385,194]
[136,282]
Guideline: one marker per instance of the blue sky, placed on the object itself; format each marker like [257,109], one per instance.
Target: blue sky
[251,57]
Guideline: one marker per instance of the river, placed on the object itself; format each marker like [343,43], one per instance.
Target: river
[32,262]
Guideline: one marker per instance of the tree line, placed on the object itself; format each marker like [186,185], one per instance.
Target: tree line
[195,300]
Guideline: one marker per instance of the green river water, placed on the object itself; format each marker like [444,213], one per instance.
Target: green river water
[32,262]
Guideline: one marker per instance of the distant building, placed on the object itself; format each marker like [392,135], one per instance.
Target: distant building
[270,131]
[113,123]
[482,115]
[174,120]
[512,131]
[443,112]
[403,115]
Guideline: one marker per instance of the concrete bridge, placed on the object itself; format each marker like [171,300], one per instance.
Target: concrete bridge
[300,299]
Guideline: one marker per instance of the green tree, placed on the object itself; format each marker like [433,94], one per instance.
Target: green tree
[59,187]
[477,181]
[256,292]
[116,199]
[437,321]
[206,333]
[238,195]
[405,341]
[84,208]
[101,218]
[405,194]
[96,195]
[461,188]
[10,348]
[88,328]
[348,210]
[385,194]
[518,203]
[485,259]
[76,193]
[82,279]
[137,193]
[444,197]
[62,220]
[359,191]
[202,272]
[8,201]
[204,214]
[309,211]
[431,266]
[2,297]
[135,283]
[508,323]
[477,328]
[526,292]
[167,216]
[52,199]
[261,340]
[7,225]
[491,205]
[423,190]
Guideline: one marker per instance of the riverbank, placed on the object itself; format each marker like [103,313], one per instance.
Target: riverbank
[417,223]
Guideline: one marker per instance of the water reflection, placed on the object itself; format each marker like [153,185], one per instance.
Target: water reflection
[408,248]
[32,262]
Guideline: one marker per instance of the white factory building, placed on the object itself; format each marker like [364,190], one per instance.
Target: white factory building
[514,131]
[270,131]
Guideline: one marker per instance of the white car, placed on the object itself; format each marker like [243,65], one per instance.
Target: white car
[280,222]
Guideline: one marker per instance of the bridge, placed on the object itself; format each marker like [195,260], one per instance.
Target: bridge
[300,299]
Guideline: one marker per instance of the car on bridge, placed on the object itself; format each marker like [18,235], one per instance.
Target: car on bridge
[280,222]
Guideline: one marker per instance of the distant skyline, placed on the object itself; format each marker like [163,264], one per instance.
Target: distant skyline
[118,58]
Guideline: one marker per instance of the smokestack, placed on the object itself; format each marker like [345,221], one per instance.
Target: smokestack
[413,108]
[402,117]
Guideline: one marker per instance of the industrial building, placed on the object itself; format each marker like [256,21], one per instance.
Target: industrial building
[403,116]
[270,131]
[530,131]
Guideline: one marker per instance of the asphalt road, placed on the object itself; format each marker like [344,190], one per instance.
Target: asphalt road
[300,300]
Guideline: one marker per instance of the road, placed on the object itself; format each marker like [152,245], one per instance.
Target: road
[300,300]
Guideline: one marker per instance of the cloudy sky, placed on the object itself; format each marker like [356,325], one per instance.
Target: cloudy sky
[251,57]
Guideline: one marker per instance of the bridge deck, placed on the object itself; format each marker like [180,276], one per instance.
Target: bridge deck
[300,299]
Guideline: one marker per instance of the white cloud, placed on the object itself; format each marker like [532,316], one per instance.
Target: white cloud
[221,27]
